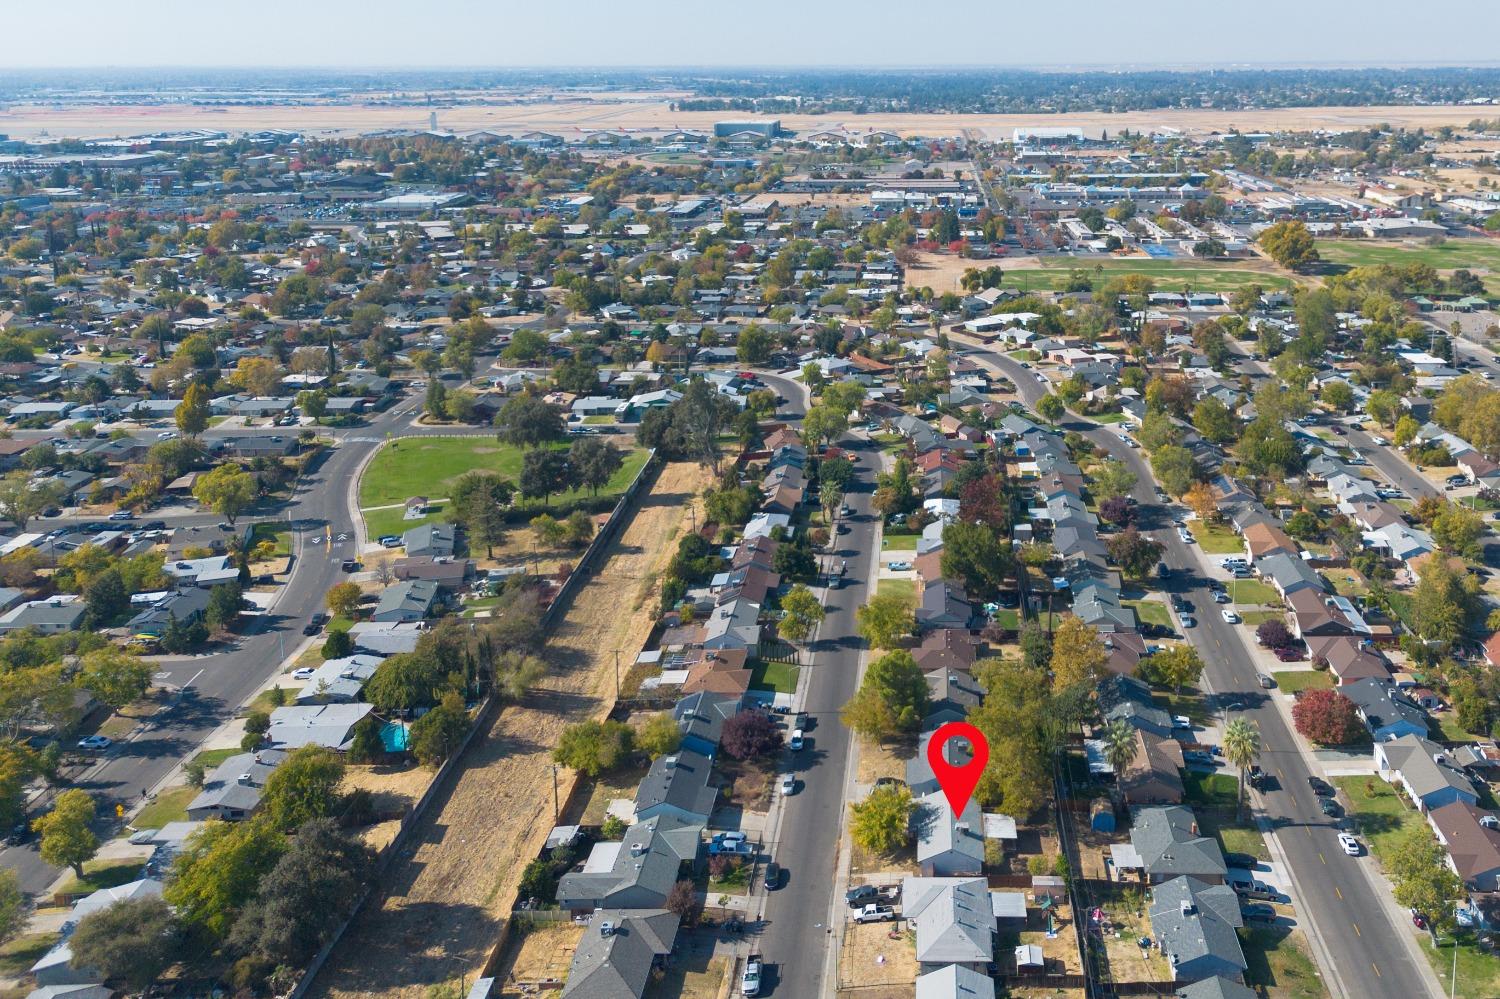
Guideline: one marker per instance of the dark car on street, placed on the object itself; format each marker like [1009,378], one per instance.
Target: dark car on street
[1320,787]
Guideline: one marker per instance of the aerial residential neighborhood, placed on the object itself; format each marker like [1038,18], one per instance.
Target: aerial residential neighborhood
[547,532]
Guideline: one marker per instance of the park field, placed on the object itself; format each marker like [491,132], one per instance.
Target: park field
[1170,275]
[1482,256]
[429,466]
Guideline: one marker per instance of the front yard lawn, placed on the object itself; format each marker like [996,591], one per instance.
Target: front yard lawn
[169,806]
[906,589]
[1189,703]
[1218,539]
[1256,618]
[1379,813]
[278,532]
[18,955]
[1151,612]
[103,874]
[1279,964]
[1253,591]
[1213,790]
[769,674]
[1289,681]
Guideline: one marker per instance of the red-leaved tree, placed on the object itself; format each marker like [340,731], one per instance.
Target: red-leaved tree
[749,734]
[1327,718]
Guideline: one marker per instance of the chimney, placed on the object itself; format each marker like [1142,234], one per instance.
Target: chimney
[606,928]
[245,780]
[1187,907]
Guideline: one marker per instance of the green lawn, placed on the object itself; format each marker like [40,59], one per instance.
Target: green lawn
[1170,275]
[1151,612]
[379,523]
[1257,618]
[1008,618]
[1292,680]
[169,806]
[213,757]
[767,674]
[1212,790]
[1347,582]
[278,532]
[103,874]
[1381,815]
[428,466]
[1478,971]
[1189,703]
[265,700]
[906,589]
[18,955]
[1217,539]
[899,541]
[1451,255]
[1447,728]
[1278,963]
[1234,835]
[1253,591]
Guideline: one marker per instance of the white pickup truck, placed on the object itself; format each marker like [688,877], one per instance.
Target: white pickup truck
[750,980]
[875,914]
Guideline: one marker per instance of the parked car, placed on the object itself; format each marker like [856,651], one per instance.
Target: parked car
[1349,844]
[860,896]
[1241,860]
[1185,535]
[95,743]
[899,566]
[1188,621]
[349,565]
[1329,807]
[315,625]
[750,978]
[788,784]
[1229,616]
[1265,681]
[875,914]
[796,743]
[390,541]
[122,515]
[304,673]
[1320,787]
[773,876]
[1258,912]
[1220,597]
[1290,654]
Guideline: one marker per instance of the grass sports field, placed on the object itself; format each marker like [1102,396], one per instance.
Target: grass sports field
[1169,275]
[1482,256]
[428,466]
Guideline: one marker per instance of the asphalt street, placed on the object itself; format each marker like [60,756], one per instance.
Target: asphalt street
[210,688]
[797,930]
[1335,895]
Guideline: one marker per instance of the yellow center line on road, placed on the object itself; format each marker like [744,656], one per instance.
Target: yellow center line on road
[1377,969]
[1356,929]
[1338,893]
[1320,856]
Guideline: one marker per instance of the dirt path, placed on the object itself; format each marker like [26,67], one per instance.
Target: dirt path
[447,896]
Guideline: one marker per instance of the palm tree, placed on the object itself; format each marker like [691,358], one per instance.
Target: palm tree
[1119,745]
[1241,747]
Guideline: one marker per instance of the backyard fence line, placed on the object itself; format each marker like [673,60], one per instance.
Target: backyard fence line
[481,718]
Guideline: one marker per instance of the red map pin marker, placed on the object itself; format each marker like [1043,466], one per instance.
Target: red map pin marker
[958,783]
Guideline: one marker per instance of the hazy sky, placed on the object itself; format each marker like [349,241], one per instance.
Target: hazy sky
[501,33]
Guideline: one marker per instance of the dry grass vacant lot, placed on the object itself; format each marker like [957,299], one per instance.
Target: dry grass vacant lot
[447,896]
